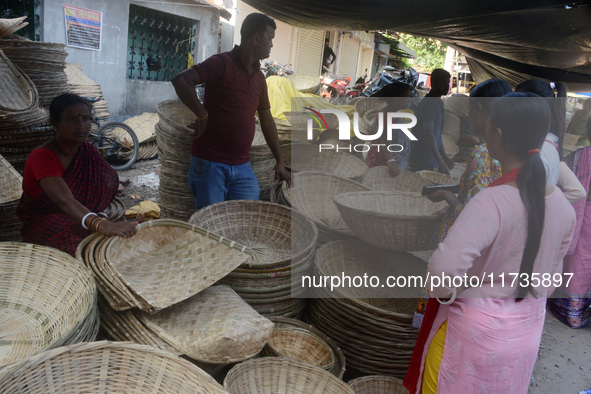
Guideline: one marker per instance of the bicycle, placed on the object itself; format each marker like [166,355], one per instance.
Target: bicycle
[115,141]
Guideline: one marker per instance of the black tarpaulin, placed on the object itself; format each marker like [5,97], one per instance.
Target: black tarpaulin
[514,40]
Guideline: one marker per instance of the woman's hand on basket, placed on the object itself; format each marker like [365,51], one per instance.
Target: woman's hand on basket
[120,229]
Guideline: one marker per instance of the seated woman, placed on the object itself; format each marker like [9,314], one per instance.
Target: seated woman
[520,225]
[67,183]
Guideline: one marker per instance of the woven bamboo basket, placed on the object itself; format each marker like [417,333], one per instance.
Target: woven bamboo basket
[281,375]
[307,157]
[392,220]
[275,234]
[451,149]
[300,344]
[451,127]
[215,326]
[379,179]
[80,84]
[11,182]
[18,91]
[437,178]
[116,210]
[305,83]
[571,139]
[457,105]
[54,285]
[174,152]
[312,193]
[107,367]
[168,261]
[9,26]
[457,172]
[377,384]
[340,364]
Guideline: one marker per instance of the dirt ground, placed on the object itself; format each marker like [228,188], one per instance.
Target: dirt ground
[564,361]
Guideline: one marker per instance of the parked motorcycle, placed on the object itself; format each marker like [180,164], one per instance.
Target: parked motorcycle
[334,88]
[274,68]
[358,87]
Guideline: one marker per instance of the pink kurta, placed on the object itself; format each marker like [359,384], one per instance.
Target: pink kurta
[492,342]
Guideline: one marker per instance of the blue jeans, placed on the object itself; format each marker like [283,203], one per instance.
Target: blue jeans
[213,182]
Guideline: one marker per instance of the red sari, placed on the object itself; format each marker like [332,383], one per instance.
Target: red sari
[93,183]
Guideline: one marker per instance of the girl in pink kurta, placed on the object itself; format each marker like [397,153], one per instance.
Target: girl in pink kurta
[493,331]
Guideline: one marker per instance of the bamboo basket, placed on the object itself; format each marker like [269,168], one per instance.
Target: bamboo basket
[56,287]
[300,344]
[379,179]
[307,157]
[107,367]
[378,384]
[392,220]
[282,375]
[312,194]
[437,178]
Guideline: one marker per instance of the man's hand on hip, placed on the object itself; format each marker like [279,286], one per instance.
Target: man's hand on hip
[199,126]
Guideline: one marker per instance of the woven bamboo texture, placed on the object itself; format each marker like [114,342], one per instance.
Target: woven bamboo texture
[116,210]
[339,367]
[451,149]
[107,367]
[82,85]
[174,153]
[10,225]
[11,182]
[451,127]
[168,261]
[377,384]
[18,91]
[437,178]
[399,221]
[457,172]
[379,179]
[312,194]
[571,139]
[457,105]
[265,228]
[54,286]
[9,26]
[305,83]
[375,333]
[215,326]
[271,375]
[43,62]
[306,157]
[300,344]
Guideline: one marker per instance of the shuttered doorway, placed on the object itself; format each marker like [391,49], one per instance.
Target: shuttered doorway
[309,54]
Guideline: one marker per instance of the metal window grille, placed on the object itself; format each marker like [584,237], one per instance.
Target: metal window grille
[158,44]
[18,8]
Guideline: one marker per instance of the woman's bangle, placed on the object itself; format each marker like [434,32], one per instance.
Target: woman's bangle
[84,220]
[390,161]
[452,299]
[98,224]
[92,223]
[205,117]
[103,215]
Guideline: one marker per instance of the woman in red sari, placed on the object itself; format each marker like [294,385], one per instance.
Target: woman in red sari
[67,184]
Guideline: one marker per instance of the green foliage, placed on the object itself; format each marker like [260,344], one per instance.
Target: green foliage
[430,52]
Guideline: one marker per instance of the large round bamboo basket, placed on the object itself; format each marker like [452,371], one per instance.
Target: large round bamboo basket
[377,384]
[271,375]
[52,284]
[107,367]
[392,220]
[300,344]
[379,179]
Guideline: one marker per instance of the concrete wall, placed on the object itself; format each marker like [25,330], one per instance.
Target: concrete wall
[108,66]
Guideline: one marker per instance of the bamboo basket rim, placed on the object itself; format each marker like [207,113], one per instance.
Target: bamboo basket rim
[340,200]
[364,384]
[144,356]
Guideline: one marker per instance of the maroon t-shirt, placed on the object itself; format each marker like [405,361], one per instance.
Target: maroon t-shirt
[232,96]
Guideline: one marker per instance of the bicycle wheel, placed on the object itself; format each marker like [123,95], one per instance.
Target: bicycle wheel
[118,144]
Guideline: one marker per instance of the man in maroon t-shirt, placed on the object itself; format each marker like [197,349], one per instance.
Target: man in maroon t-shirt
[235,89]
